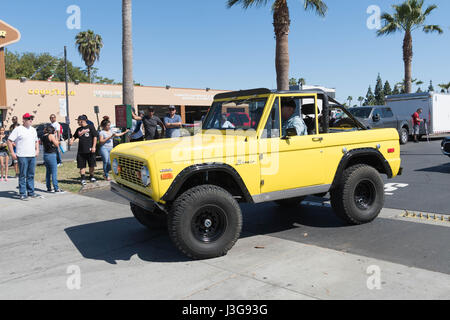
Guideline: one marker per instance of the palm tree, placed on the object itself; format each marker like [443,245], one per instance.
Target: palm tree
[361,100]
[89,46]
[445,86]
[301,82]
[281,24]
[127,53]
[408,17]
[350,99]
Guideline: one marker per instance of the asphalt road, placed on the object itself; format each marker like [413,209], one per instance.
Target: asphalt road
[425,183]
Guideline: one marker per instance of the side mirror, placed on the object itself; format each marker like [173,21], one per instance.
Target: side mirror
[291,132]
[376,118]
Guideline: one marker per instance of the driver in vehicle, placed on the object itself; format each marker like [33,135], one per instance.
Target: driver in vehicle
[290,120]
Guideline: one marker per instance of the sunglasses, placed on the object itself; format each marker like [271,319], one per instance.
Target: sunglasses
[28,119]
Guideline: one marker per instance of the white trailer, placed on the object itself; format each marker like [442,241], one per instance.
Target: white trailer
[436,110]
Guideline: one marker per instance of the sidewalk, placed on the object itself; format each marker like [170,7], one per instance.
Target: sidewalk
[40,240]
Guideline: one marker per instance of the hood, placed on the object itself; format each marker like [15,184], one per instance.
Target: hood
[364,121]
[204,146]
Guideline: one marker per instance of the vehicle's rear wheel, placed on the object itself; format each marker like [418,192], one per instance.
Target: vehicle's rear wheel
[290,203]
[152,220]
[205,222]
[404,136]
[359,196]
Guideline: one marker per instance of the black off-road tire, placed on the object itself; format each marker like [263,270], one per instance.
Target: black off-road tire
[404,136]
[290,203]
[152,220]
[205,222]
[359,196]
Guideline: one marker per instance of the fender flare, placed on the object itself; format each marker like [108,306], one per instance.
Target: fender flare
[188,172]
[357,153]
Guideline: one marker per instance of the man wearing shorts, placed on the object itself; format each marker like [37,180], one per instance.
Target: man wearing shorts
[87,136]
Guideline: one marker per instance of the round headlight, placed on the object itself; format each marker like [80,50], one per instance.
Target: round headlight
[115,166]
[145,176]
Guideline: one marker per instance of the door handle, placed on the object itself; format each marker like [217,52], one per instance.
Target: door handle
[317,139]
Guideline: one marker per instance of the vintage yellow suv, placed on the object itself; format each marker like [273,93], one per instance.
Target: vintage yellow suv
[255,146]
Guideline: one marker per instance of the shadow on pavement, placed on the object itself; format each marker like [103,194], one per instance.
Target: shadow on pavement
[407,243]
[444,168]
[121,239]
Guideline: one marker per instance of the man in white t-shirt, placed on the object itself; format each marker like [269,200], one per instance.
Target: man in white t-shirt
[27,149]
[57,127]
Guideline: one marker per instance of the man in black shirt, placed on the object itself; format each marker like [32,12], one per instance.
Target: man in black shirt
[150,122]
[86,148]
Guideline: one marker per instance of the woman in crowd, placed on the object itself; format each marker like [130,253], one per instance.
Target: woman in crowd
[107,144]
[4,157]
[51,145]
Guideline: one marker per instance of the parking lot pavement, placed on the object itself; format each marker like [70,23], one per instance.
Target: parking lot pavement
[307,254]
[425,183]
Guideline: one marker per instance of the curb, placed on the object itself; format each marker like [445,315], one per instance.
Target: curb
[95,186]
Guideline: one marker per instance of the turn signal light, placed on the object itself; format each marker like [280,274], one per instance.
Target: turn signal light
[166,176]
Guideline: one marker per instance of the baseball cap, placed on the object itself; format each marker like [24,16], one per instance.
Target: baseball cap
[172,108]
[82,118]
[27,116]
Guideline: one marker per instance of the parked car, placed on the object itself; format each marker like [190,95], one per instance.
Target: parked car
[445,146]
[383,117]
[66,130]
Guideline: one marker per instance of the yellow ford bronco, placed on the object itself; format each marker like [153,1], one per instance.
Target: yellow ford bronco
[255,146]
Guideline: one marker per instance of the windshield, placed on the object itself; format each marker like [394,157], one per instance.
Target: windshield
[236,114]
[360,112]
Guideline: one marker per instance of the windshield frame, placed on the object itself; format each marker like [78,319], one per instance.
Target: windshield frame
[237,99]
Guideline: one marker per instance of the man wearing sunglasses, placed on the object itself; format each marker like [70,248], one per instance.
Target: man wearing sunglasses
[27,149]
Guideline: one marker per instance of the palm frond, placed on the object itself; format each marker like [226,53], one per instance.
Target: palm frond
[246,3]
[318,6]
[433,28]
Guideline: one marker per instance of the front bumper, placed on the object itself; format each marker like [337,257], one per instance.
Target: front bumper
[136,198]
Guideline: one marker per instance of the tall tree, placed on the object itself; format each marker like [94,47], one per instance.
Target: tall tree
[387,88]
[431,88]
[361,100]
[127,53]
[89,46]
[379,92]
[292,82]
[350,99]
[445,87]
[408,17]
[418,84]
[370,98]
[281,23]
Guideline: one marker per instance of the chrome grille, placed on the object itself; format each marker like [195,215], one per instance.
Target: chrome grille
[130,170]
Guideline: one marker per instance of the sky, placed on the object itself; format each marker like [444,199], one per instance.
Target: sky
[203,44]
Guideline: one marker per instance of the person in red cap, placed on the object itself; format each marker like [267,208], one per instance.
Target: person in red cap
[27,149]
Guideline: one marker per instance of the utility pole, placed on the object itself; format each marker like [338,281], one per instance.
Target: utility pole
[67,92]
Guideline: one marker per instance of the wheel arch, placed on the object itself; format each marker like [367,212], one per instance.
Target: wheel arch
[218,174]
[367,156]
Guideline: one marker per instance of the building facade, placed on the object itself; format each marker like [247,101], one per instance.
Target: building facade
[42,98]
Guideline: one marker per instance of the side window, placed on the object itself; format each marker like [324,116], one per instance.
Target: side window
[272,129]
[387,113]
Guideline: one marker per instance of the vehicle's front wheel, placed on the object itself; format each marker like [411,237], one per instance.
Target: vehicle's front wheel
[404,136]
[290,203]
[152,220]
[359,196]
[205,222]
